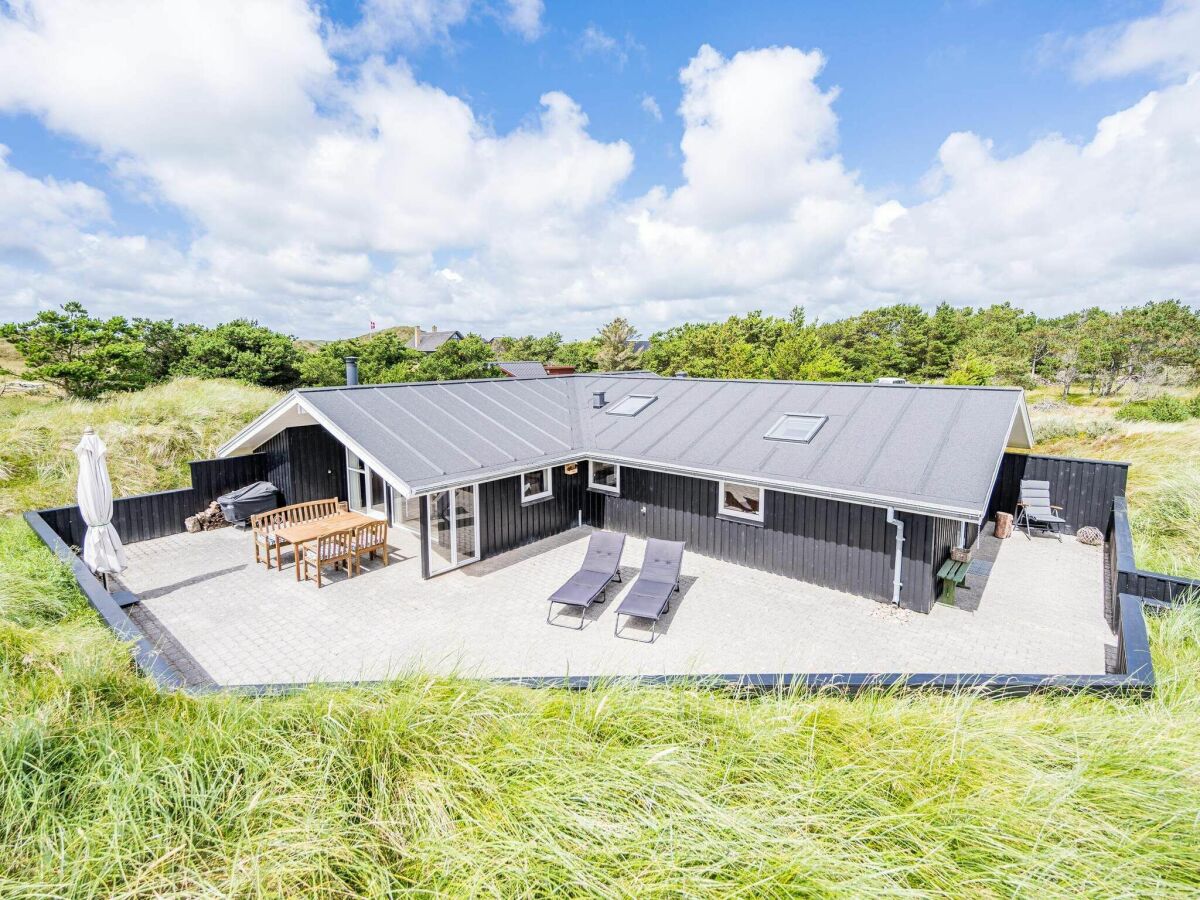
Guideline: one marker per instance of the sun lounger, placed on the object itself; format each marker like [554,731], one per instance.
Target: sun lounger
[600,567]
[1035,509]
[650,596]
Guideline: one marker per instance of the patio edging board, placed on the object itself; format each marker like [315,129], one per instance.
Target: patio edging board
[1136,677]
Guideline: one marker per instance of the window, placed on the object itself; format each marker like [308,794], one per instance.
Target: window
[741,501]
[799,429]
[367,492]
[631,405]
[536,485]
[604,476]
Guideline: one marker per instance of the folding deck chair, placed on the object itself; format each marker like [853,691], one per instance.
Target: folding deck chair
[1035,509]
[601,566]
[650,596]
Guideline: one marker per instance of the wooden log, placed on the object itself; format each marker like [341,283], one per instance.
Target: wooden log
[1004,524]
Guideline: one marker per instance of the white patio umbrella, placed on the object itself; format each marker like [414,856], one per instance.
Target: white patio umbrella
[102,550]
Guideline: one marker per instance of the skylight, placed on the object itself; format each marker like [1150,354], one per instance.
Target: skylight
[799,429]
[631,405]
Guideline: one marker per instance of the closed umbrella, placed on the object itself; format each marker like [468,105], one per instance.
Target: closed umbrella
[102,550]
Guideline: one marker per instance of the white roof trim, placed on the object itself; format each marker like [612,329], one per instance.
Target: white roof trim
[250,436]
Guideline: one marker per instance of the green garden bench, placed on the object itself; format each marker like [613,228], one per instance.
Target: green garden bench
[952,575]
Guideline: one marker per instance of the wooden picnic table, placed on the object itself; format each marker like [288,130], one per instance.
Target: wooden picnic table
[306,532]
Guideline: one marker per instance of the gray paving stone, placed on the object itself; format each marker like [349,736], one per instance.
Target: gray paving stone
[1041,610]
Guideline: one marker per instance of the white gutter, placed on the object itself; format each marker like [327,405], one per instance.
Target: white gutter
[896,583]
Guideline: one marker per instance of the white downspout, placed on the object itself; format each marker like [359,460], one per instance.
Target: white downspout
[896,583]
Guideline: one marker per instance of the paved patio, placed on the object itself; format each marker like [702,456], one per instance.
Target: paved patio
[235,622]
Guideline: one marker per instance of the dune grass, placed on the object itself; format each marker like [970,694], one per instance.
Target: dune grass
[151,436]
[1164,476]
[438,786]
[448,787]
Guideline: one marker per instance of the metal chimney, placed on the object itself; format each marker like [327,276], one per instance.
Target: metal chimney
[351,371]
[598,400]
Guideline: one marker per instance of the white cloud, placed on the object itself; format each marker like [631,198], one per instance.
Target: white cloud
[525,17]
[651,108]
[595,41]
[1166,43]
[405,23]
[322,193]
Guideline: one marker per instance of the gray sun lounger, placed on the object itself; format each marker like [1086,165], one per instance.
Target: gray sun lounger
[650,596]
[600,567]
[1036,510]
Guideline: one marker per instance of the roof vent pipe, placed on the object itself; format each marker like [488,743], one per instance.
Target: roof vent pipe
[896,583]
[598,399]
[351,371]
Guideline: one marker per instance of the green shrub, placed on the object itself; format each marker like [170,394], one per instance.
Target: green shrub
[1194,407]
[1163,408]
[1056,427]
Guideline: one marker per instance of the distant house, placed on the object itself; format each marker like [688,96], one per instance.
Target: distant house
[638,346]
[428,341]
[532,369]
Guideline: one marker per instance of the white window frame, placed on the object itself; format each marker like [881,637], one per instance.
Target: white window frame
[547,479]
[820,420]
[628,400]
[603,488]
[455,562]
[369,498]
[722,510]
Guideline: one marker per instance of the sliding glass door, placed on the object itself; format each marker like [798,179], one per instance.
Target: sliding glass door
[406,512]
[453,528]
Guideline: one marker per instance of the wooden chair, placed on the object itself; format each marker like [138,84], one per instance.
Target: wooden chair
[263,525]
[369,539]
[332,549]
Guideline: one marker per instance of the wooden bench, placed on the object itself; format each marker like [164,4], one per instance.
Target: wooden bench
[264,525]
[952,574]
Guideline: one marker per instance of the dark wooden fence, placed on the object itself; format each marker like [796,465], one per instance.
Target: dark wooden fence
[1124,575]
[144,517]
[1084,488]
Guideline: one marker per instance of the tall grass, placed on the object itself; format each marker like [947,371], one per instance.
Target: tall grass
[1164,478]
[446,787]
[151,436]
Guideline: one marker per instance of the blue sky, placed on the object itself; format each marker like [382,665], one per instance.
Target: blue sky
[1027,83]
[909,73]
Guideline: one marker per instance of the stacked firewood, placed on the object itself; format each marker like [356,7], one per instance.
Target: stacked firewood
[206,520]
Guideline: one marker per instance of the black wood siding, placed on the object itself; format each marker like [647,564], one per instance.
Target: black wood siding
[305,463]
[1084,488]
[213,477]
[507,524]
[838,545]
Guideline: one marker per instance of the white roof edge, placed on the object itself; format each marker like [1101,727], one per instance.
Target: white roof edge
[257,425]
[1026,425]
[965,514]
[283,406]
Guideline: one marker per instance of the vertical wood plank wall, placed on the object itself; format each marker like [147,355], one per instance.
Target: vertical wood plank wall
[305,463]
[838,545]
[506,524]
[1084,488]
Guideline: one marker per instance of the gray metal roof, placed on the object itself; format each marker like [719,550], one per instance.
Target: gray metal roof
[924,448]
[522,369]
[431,340]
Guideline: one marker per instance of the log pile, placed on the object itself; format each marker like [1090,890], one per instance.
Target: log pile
[206,520]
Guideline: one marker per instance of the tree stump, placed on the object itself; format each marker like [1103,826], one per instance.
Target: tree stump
[1004,525]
